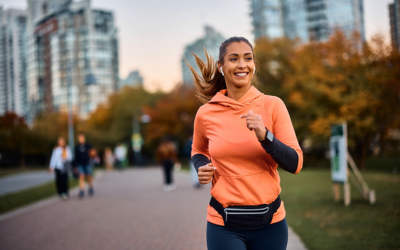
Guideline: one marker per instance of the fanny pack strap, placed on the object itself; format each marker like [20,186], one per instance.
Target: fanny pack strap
[220,209]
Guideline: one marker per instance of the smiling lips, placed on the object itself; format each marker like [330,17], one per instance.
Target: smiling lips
[241,74]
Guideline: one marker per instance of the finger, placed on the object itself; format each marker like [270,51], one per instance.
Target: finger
[252,126]
[205,182]
[207,168]
[243,116]
[251,112]
[204,178]
[205,174]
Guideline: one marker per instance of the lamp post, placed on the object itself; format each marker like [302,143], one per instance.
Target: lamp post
[137,140]
[70,114]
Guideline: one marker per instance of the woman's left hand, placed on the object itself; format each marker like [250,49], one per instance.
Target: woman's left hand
[255,122]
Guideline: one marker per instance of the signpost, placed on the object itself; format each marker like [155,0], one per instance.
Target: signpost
[339,158]
[338,154]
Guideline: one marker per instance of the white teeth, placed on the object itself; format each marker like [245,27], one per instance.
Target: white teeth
[241,74]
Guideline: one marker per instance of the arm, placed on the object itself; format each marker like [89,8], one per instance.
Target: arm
[285,150]
[285,156]
[200,154]
[283,147]
[69,154]
[53,159]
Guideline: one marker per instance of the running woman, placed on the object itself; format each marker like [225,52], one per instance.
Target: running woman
[241,136]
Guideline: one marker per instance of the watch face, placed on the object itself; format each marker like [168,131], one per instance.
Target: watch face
[270,136]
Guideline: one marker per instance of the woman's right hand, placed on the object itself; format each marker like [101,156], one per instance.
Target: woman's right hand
[206,173]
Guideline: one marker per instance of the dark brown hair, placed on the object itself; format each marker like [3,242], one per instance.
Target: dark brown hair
[211,80]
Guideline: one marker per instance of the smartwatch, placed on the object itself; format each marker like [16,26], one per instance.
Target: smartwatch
[269,137]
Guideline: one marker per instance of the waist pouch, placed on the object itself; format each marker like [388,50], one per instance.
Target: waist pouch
[246,217]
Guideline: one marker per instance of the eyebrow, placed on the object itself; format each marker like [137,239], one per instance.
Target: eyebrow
[233,54]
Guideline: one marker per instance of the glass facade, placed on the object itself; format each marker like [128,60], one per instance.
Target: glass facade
[307,19]
[77,44]
[394,16]
[267,18]
[13,82]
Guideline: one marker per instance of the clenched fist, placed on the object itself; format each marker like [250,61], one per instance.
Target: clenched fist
[206,173]
[255,122]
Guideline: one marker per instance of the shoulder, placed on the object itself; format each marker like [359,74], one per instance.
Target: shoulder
[204,111]
[270,102]
[56,149]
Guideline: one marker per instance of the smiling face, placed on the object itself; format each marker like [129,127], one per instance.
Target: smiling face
[238,65]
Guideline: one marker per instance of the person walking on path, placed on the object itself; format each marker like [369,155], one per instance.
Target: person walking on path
[187,150]
[240,138]
[108,159]
[60,163]
[85,170]
[166,155]
[120,155]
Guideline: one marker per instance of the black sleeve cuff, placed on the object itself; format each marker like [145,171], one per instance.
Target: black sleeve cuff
[285,156]
[199,160]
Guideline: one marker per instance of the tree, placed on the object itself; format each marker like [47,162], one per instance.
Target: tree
[12,137]
[338,80]
[172,115]
[112,122]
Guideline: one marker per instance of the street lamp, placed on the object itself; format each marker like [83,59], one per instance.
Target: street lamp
[137,140]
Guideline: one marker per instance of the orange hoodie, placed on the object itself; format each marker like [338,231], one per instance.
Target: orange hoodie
[246,174]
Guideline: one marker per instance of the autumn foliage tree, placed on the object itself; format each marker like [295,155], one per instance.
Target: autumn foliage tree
[342,80]
[173,115]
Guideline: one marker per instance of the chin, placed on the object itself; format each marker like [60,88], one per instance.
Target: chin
[241,84]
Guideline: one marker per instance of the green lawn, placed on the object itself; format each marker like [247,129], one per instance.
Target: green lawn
[17,170]
[324,224]
[15,200]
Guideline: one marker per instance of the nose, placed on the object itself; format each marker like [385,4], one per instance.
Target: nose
[242,64]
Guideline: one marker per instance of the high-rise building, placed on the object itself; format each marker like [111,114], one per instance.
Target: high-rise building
[13,84]
[267,18]
[211,41]
[309,20]
[394,13]
[70,43]
[134,79]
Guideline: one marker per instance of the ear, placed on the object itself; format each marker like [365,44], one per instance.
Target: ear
[219,67]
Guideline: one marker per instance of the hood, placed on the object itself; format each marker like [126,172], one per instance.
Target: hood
[221,98]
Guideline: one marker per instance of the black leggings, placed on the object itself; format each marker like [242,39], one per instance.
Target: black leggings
[271,237]
[61,182]
[168,165]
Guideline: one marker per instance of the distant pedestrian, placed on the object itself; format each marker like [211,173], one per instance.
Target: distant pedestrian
[108,159]
[93,158]
[166,155]
[120,155]
[60,163]
[187,150]
[82,160]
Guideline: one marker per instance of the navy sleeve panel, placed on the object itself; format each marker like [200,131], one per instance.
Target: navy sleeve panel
[199,160]
[285,156]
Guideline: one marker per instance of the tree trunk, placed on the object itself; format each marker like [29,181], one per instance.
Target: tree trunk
[362,152]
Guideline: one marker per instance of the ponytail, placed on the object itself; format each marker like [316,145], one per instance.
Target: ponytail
[211,80]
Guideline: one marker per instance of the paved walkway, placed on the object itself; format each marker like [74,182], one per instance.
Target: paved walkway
[18,182]
[129,211]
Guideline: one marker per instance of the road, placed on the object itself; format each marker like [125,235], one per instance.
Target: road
[130,210]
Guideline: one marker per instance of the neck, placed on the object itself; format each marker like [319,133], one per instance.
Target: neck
[236,93]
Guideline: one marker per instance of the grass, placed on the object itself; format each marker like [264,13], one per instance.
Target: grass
[323,223]
[12,201]
[17,170]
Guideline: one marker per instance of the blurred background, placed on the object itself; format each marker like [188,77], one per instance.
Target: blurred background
[115,70]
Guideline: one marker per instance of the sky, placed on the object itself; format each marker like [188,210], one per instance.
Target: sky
[153,33]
